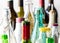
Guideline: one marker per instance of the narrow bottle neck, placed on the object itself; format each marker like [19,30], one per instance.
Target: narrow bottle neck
[11,4]
[51,2]
[21,8]
[41,2]
[21,3]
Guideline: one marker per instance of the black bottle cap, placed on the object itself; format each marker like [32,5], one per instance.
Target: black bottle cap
[51,1]
[21,3]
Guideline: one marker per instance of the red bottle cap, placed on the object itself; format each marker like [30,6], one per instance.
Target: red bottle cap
[41,2]
[55,24]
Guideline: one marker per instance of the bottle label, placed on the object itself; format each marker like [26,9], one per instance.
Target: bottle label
[21,3]
[26,32]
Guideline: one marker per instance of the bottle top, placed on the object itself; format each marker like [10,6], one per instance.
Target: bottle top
[41,2]
[51,1]
[19,19]
[4,37]
[55,24]
[26,23]
[21,3]
[44,29]
[10,0]
[50,40]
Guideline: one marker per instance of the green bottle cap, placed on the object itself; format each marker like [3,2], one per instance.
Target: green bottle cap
[26,23]
[49,40]
[4,37]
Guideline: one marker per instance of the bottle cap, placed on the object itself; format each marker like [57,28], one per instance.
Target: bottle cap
[41,2]
[21,3]
[44,29]
[26,23]
[49,40]
[4,37]
[51,1]
[19,19]
[55,24]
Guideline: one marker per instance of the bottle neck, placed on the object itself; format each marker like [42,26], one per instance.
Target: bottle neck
[21,5]
[41,2]
[21,9]
[51,2]
[11,4]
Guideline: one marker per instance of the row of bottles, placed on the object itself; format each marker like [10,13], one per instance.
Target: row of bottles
[41,26]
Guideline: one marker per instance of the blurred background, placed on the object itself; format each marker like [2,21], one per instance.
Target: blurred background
[4,4]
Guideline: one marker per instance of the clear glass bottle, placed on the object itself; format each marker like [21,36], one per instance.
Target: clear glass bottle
[5,29]
[42,36]
[18,30]
[55,32]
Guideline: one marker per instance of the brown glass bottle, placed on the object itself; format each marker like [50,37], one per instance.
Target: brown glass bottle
[48,10]
[13,13]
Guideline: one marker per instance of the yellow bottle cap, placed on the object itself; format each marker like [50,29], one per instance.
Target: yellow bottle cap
[44,29]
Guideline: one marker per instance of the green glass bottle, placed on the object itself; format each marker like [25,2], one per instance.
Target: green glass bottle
[21,12]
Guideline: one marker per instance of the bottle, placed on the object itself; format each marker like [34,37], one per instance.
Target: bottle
[51,2]
[51,17]
[26,32]
[18,30]
[42,36]
[21,12]
[39,16]
[55,32]
[5,33]
[28,15]
[13,13]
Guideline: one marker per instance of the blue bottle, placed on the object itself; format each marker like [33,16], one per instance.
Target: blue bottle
[39,15]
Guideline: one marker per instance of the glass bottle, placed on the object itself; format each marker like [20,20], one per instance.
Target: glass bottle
[51,2]
[55,32]
[42,36]
[51,17]
[5,29]
[21,12]
[26,32]
[28,14]
[13,14]
[39,17]
[18,30]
